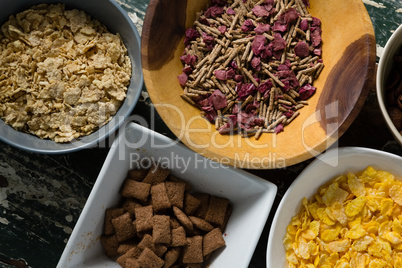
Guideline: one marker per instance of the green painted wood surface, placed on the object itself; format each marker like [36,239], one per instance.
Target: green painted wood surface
[41,196]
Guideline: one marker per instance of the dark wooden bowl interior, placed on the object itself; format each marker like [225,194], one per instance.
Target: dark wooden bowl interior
[349,58]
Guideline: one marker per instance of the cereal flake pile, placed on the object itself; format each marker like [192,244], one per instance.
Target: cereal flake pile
[62,74]
[249,66]
[354,221]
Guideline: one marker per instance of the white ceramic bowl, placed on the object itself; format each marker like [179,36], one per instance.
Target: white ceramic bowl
[109,13]
[383,70]
[324,168]
[251,197]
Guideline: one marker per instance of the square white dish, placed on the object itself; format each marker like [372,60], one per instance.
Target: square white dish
[326,167]
[251,197]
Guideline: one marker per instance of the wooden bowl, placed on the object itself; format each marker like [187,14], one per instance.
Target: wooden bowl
[349,58]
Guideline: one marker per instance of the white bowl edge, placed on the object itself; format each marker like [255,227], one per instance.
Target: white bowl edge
[393,43]
[334,162]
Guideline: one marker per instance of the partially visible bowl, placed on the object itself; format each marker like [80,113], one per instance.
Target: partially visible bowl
[342,87]
[326,167]
[383,74]
[250,196]
[111,14]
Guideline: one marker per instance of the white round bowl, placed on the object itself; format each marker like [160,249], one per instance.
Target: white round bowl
[111,14]
[323,169]
[383,70]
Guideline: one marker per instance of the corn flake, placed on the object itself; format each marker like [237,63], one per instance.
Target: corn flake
[397,226]
[342,264]
[338,212]
[393,237]
[355,185]
[303,250]
[373,202]
[395,192]
[334,194]
[329,235]
[377,263]
[338,246]
[355,206]
[323,216]
[353,221]
[362,243]
[356,232]
[312,231]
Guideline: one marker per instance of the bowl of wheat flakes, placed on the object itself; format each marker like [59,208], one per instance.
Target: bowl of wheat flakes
[258,84]
[70,73]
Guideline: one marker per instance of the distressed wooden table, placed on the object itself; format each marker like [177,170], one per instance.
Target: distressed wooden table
[41,196]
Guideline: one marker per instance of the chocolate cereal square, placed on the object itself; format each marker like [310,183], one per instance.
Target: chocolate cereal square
[123,225]
[183,219]
[175,179]
[194,265]
[192,252]
[161,229]
[129,205]
[110,245]
[159,197]
[178,237]
[149,259]
[126,246]
[174,223]
[217,210]
[190,204]
[110,214]
[175,192]
[148,242]
[156,174]
[160,249]
[171,256]
[132,253]
[137,174]
[201,224]
[143,218]
[212,241]
[135,189]
[202,209]
[132,263]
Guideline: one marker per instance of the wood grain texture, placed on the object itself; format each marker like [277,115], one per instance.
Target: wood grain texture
[348,91]
[159,43]
[349,58]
